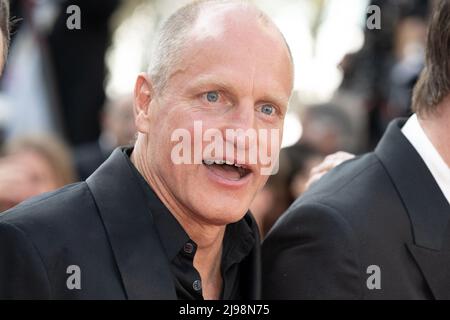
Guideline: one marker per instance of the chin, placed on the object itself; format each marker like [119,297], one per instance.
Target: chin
[221,213]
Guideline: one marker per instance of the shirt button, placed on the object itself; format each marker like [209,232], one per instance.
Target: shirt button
[188,247]
[197,285]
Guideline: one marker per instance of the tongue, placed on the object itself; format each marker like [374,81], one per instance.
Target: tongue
[225,171]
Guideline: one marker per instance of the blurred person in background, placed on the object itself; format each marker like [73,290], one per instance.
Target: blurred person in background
[118,129]
[55,74]
[349,99]
[326,128]
[409,55]
[377,226]
[284,187]
[31,166]
[81,89]
[303,158]
[384,71]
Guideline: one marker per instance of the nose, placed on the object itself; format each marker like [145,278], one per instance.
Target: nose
[240,128]
[243,116]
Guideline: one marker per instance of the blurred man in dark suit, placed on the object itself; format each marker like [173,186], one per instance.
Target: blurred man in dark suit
[377,227]
[80,90]
[145,226]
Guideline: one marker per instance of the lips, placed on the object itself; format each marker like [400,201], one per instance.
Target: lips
[227,169]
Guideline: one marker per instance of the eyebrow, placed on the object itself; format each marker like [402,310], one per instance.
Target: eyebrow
[278,100]
[213,82]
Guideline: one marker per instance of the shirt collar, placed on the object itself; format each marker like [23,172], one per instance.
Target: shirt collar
[239,240]
[415,134]
[170,232]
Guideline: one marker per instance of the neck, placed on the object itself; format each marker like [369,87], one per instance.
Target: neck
[437,129]
[208,237]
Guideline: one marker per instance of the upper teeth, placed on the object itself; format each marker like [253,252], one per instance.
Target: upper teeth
[231,163]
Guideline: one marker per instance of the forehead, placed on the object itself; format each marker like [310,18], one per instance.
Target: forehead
[220,19]
[238,48]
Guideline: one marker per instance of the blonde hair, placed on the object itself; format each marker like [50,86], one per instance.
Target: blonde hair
[51,149]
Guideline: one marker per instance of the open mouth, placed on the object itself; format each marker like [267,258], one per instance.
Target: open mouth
[227,169]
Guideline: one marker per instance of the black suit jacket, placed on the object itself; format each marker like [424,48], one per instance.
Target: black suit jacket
[383,209]
[103,227]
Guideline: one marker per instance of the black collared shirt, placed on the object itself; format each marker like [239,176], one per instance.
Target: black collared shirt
[238,242]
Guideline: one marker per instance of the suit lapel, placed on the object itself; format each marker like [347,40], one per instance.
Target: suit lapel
[435,266]
[251,266]
[140,258]
[425,203]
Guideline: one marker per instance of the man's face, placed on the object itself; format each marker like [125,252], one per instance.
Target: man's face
[240,79]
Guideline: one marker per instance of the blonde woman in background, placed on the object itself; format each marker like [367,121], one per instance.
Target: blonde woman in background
[33,165]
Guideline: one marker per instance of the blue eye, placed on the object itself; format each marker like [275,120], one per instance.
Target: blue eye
[267,109]
[212,96]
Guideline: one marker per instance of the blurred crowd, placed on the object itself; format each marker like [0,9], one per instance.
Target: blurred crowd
[57,125]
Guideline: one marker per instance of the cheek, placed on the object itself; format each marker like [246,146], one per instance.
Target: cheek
[172,135]
[45,178]
[269,144]
[48,177]
[52,182]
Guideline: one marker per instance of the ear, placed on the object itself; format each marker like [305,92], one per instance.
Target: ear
[143,95]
